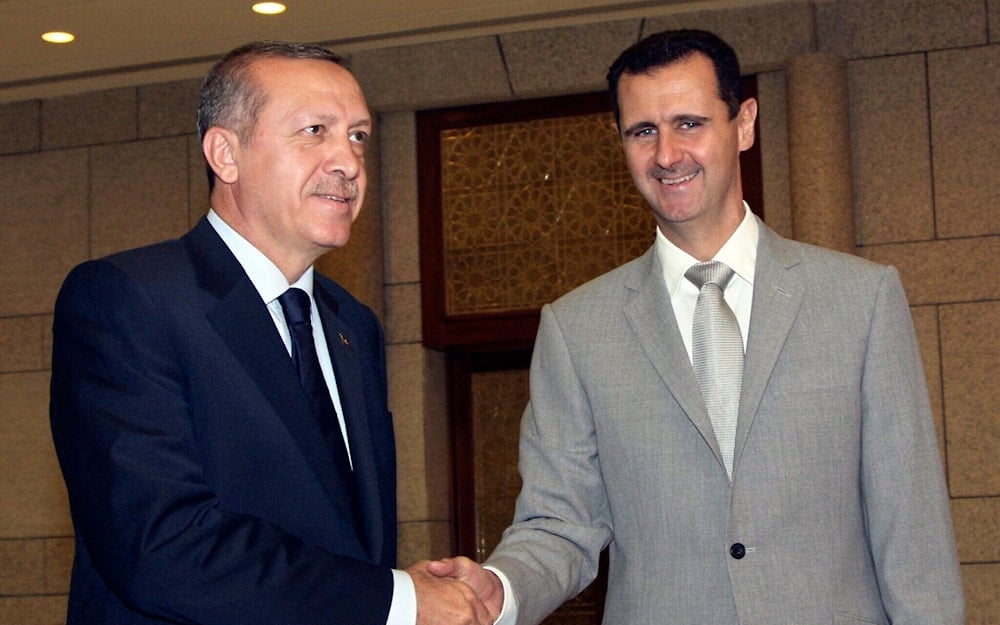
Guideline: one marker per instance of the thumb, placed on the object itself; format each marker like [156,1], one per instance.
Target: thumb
[443,568]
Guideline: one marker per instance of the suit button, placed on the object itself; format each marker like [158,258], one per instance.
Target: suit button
[738,551]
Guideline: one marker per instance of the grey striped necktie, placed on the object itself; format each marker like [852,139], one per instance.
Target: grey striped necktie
[717,353]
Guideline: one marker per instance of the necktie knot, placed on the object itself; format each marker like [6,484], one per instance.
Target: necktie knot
[295,304]
[710,272]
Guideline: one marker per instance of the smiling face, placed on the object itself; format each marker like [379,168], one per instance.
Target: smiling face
[682,150]
[296,185]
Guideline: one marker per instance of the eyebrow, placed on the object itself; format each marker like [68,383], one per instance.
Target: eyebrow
[329,119]
[676,119]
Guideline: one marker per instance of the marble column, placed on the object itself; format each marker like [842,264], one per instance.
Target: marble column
[819,151]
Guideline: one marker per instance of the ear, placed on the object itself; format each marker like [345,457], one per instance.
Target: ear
[746,117]
[220,146]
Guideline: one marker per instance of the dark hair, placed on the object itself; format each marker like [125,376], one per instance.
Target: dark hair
[670,46]
[229,96]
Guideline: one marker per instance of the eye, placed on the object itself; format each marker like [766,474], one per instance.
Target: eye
[642,131]
[315,129]
[691,123]
[358,136]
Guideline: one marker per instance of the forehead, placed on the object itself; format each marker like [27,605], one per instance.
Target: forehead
[292,84]
[688,82]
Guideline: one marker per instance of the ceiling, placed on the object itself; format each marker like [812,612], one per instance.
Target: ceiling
[127,42]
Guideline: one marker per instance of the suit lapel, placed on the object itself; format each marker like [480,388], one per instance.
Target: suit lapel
[651,318]
[347,367]
[244,323]
[777,296]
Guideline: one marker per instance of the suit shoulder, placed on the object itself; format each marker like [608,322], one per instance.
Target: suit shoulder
[149,264]
[825,262]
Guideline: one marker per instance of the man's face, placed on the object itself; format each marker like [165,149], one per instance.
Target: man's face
[681,147]
[301,175]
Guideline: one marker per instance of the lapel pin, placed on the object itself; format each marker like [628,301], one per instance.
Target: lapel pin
[343,340]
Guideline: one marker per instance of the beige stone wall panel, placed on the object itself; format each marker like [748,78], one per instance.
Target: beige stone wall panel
[977,528]
[432,75]
[964,90]
[43,212]
[397,134]
[970,360]
[24,345]
[890,150]
[33,499]
[944,271]
[89,119]
[925,324]
[764,34]
[20,126]
[863,28]
[139,193]
[416,398]
[982,593]
[43,610]
[565,60]
[168,109]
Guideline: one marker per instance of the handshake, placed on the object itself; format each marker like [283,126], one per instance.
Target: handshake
[456,591]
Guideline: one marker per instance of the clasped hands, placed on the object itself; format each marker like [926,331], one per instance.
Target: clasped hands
[455,591]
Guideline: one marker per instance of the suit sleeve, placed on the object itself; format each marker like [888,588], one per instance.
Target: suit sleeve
[905,495]
[562,521]
[145,518]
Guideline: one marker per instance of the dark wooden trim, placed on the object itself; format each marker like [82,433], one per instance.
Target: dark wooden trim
[461,366]
[509,329]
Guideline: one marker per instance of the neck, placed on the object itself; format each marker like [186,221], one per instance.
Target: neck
[701,241]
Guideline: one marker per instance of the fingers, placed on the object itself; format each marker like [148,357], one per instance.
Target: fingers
[446,600]
[486,585]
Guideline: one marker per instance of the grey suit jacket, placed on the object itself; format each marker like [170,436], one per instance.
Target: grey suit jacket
[838,505]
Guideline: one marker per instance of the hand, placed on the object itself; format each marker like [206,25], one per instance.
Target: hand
[445,600]
[485,583]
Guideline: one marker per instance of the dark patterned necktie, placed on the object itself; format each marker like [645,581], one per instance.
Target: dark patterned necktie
[296,305]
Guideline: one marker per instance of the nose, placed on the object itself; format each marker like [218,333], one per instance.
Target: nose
[668,151]
[345,157]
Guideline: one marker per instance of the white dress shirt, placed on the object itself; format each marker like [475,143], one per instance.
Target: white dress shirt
[270,284]
[739,253]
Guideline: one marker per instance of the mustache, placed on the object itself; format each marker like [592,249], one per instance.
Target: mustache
[671,172]
[337,187]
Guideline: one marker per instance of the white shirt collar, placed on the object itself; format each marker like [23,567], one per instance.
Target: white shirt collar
[739,253]
[265,275]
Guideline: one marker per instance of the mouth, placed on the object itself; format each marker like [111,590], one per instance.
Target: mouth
[670,179]
[336,198]
[343,192]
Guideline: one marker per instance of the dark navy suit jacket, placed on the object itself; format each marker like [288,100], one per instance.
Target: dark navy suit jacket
[199,485]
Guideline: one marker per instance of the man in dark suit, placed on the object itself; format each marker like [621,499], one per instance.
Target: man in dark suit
[802,488]
[206,483]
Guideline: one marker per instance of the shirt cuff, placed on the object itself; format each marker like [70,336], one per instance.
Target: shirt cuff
[508,611]
[403,609]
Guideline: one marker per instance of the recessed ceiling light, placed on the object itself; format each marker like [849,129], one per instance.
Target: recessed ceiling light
[57,36]
[268,8]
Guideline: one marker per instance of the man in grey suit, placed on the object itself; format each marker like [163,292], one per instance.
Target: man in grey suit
[825,502]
